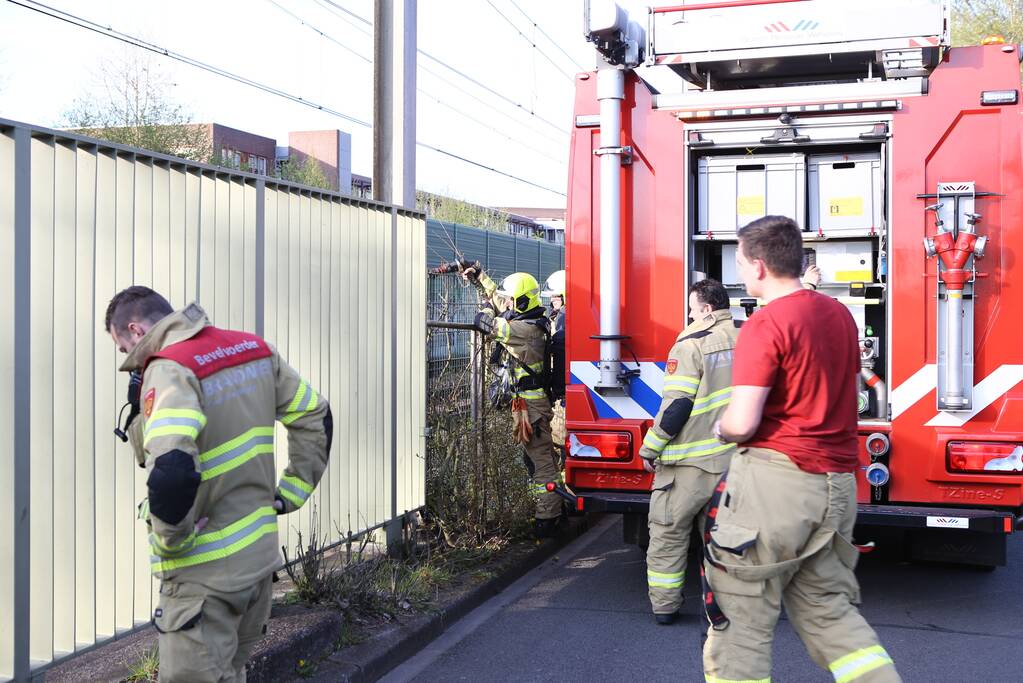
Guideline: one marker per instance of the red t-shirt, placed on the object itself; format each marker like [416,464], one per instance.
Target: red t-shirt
[804,346]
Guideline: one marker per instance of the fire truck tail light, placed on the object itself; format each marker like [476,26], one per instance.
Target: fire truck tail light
[985,457]
[600,445]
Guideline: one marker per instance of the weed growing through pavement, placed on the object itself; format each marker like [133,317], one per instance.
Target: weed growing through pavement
[146,668]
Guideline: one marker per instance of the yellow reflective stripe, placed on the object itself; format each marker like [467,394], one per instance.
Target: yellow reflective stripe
[260,449]
[654,442]
[217,545]
[662,580]
[714,679]
[855,664]
[707,408]
[682,379]
[531,393]
[695,449]
[163,550]
[171,430]
[235,442]
[299,395]
[295,481]
[685,389]
[708,397]
[288,495]
[502,330]
[165,413]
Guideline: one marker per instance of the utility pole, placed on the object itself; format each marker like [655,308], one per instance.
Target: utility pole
[394,102]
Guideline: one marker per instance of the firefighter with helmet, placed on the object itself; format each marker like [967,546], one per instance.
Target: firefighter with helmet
[554,288]
[524,335]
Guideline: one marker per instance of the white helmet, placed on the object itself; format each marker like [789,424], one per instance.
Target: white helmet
[555,284]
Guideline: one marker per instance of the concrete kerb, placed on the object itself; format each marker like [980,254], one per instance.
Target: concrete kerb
[297,632]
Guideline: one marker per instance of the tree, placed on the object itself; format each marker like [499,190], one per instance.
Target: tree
[130,104]
[305,171]
[454,210]
[973,20]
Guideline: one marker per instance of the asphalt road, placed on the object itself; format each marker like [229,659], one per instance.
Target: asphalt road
[584,616]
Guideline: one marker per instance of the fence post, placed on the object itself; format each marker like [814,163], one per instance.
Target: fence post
[392,529]
[260,269]
[23,383]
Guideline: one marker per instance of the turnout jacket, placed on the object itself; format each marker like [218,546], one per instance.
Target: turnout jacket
[697,387]
[210,398]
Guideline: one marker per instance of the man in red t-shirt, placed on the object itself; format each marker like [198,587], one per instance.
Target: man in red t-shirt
[782,527]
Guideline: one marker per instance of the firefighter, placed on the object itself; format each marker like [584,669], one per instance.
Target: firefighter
[524,337]
[784,512]
[554,288]
[209,398]
[680,448]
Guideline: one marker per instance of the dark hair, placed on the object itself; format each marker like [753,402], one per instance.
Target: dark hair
[775,240]
[138,304]
[710,291]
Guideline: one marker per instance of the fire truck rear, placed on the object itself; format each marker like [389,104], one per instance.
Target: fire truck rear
[900,158]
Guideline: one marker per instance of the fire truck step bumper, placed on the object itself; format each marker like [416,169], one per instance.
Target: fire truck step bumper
[610,501]
[910,517]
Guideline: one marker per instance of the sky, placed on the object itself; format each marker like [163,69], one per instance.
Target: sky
[45,64]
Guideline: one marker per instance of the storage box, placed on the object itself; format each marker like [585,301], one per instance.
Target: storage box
[846,193]
[735,190]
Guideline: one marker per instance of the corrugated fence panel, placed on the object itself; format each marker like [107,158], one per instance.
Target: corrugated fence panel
[8,482]
[312,272]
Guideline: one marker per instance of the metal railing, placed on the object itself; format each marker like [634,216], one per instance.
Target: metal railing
[337,284]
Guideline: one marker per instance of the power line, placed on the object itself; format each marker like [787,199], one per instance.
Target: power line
[544,33]
[322,34]
[439,101]
[484,86]
[110,32]
[535,46]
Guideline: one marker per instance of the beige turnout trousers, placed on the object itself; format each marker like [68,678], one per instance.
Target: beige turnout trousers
[676,503]
[782,536]
[206,636]
[541,461]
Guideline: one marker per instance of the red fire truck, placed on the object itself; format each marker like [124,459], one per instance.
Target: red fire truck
[899,156]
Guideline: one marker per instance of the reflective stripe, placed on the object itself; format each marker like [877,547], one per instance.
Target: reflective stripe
[855,664]
[682,379]
[217,545]
[236,452]
[654,442]
[539,488]
[163,550]
[294,489]
[709,402]
[502,330]
[715,395]
[531,393]
[305,401]
[661,580]
[174,422]
[693,449]
[714,679]
[192,416]
[520,372]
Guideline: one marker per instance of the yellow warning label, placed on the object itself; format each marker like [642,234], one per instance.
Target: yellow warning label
[853,276]
[955,295]
[750,205]
[845,206]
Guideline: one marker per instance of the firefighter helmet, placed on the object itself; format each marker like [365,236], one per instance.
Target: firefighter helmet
[522,289]
[555,284]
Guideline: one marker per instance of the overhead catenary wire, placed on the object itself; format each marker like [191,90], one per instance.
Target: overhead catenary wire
[456,110]
[110,32]
[553,42]
[528,40]
[519,106]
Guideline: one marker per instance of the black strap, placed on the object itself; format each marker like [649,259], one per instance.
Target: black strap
[718,620]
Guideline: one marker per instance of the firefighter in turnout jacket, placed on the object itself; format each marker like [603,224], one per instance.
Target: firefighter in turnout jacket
[525,337]
[209,400]
[680,447]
